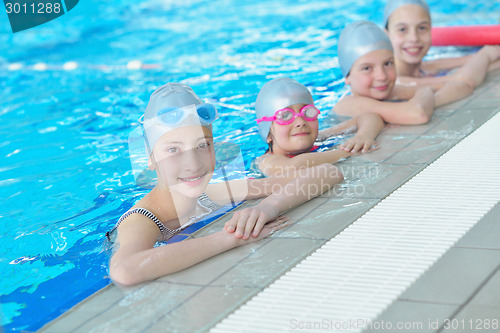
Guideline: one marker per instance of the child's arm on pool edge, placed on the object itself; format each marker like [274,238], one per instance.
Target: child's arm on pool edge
[369,126]
[469,76]
[279,165]
[417,110]
[472,69]
[283,193]
[136,260]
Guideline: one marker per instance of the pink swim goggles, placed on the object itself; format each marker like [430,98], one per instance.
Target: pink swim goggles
[286,116]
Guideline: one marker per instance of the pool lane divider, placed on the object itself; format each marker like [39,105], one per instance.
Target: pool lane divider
[355,276]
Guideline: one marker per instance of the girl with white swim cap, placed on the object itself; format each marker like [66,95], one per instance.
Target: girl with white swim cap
[178,137]
[367,63]
[288,122]
[408,24]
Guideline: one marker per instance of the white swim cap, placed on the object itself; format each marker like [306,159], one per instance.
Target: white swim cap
[171,106]
[392,5]
[278,94]
[358,39]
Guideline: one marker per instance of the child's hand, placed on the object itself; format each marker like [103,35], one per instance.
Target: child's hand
[358,144]
[250,221]
[268,229]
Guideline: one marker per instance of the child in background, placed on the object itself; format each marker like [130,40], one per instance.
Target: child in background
[367,62]
[288,122]
[408,24]
[179,141]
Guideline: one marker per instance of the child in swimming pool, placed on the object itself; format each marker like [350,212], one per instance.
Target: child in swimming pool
[367,62]
[408,24]
[179,141]
[288,122]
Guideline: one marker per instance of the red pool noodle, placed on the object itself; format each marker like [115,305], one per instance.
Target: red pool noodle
[466,35]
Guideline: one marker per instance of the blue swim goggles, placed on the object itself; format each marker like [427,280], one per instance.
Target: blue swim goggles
[172,117]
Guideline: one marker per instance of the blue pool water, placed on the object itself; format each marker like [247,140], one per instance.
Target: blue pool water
[65,175]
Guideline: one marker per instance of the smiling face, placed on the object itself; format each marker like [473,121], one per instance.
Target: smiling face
[184,160]
[373,75]
[409,28]
[296,137]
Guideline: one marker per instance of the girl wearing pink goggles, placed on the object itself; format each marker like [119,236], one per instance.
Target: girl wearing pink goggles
[288,121]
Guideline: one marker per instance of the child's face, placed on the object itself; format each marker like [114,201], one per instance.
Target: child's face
[296,137]
[184,159]
[373,75]
[409,29]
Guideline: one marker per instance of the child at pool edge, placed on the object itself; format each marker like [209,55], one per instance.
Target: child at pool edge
[408,24]
[288,122]
[367,62]
[178,134]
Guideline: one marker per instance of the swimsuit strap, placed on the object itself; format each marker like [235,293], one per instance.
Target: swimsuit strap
[204,201]
[166,232]
[312,150]
[145,212]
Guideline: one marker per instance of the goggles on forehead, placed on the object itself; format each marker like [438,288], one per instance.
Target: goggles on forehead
[286,116]
[172,117]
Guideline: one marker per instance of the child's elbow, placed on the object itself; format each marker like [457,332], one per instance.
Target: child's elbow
[124,276]
[421,118]
[464,86]
[417,116]
[339,176]
[333,174]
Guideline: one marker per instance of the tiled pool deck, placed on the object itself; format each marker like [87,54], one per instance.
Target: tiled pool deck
[464,284]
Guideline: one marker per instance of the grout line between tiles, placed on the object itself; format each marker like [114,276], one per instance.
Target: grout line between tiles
[426,302]
[476,248]
[97,315]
